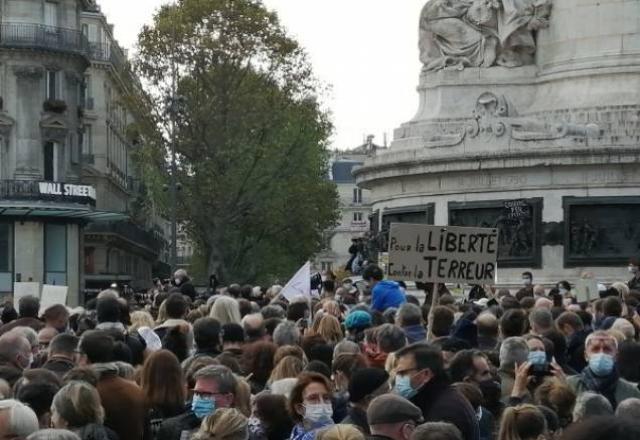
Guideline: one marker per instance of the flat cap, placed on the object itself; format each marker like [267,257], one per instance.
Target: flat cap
[391,408]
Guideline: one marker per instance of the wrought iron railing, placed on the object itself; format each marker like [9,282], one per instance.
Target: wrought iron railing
[129,231]
[108,53]
[38,36]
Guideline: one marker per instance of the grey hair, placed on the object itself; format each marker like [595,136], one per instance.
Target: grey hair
[225,378]
[125,370]
[180,273]
[600,334]
[390,338]
[54,434]
[408,314]
[629,408]
[286,333]
[108,293]
[29,333]
[624,327]
[514,350]
[273,311]
[437,431]
[22,420]
[541,318]
[345,346]
[589,404]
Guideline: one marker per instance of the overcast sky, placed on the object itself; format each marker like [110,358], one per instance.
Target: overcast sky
[366,50]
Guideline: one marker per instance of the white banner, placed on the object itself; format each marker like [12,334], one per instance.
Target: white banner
[300,284]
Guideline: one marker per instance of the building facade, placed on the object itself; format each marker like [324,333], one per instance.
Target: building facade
[355,207]
[126,252]
[51,188]
[540,141]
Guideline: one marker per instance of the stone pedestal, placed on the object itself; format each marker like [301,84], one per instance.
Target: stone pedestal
[561,135]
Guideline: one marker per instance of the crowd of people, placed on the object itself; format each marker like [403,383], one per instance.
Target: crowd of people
[370,362]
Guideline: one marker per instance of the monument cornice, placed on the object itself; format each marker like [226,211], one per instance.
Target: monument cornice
[408,164]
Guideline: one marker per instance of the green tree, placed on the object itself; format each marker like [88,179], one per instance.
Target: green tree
[251,137]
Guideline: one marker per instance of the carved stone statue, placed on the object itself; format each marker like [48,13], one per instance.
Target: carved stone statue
[480,33]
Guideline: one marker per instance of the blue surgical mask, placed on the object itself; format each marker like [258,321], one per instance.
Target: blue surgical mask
[403,387]
[601,364]
[537,357]
[202,406]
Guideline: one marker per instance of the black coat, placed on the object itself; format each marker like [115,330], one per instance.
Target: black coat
[171,429]
[439,402]
[187,289]
[358,418]
[575,350]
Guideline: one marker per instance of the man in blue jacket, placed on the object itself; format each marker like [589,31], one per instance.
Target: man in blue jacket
[385,294]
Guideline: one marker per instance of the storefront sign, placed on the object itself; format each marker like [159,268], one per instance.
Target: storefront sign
[443,254]
[67,190]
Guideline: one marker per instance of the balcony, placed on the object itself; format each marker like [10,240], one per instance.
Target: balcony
[38,36]
[130,232]
[108,53]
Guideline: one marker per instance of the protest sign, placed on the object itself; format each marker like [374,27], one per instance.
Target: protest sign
[52,295]
[586,290]
[443,254]
[20,290]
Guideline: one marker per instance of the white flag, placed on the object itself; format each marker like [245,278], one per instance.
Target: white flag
[300,284]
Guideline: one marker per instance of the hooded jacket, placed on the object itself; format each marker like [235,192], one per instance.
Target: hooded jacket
[387,294]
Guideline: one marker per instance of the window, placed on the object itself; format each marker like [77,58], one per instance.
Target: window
[51,14]
[327,265]
[357,216]
[55,254]
[52,85]
[6,257]
[357,195]
[87,145]
[51,161]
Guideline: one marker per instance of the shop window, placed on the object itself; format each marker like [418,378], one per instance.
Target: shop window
[55,254]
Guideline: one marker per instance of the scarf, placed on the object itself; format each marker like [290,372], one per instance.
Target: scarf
[603,385]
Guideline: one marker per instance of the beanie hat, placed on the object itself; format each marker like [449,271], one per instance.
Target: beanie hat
[358,319]
[365,381]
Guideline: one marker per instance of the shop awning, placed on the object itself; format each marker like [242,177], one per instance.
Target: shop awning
[33,210]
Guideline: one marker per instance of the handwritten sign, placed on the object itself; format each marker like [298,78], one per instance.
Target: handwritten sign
[52,295]
[586,290]
[443,254]
[20,290]
[517,209]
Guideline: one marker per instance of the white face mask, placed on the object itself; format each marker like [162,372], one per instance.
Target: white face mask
[177,281]
[526,281]
[318,412]
[562,291]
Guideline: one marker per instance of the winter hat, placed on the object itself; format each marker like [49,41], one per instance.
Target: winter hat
[357,320]
[365,381]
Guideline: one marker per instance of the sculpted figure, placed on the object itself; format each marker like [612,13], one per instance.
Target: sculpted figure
[480,33]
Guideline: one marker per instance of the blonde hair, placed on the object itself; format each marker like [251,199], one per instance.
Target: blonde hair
[139,319]
[289,366]
[78,403]
[224,424]
[226,310]
[341,432]
[523,422]
[330,330]
[162,313]
[622,288]
[242,397]
[332,308]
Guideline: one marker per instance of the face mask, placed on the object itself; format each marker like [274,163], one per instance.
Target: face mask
[491,390]
[318,412]
[537,357]
[347,286]
[526,281]
[177,281]
[633,269]
[601,364]
[562,291]
[202,406]
[403,387]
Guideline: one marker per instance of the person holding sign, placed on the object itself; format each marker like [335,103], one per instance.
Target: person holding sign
[385,294]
